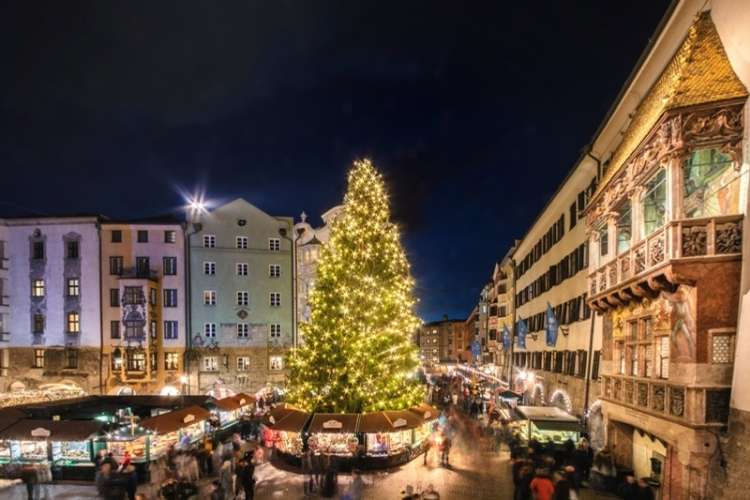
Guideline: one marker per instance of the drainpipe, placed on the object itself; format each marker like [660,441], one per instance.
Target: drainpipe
[513,326]
[188,300]
[590,356]
[284,233]
[101,311]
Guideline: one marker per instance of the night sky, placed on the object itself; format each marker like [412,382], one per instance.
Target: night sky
[475,111]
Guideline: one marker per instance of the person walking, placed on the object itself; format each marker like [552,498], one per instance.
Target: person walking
[445,458]
[541,486]
[307,469]
[226,479]
[354,492]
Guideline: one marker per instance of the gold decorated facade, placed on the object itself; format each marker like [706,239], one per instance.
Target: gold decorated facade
[699,73]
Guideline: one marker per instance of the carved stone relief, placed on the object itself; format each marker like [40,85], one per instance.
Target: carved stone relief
[729,237]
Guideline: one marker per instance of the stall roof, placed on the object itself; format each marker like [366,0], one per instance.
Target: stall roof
[286,418]
[334,422]
[90,406]
[548,413]
[51,430]
[425,412]
[553,425]
[175,420]
[388,421]
[234,402]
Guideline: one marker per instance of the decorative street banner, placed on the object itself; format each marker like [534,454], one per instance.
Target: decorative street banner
[522,330]
[552,326]
[506,338]
[476,349]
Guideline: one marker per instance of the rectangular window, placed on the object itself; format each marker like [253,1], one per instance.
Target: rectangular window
[171,361]
[142,236]
[274,270]
[74,322]
[170,297]
[573,215]
[116,236]
[620,357]
[210,363]
[37,288]
[152,296]
[276,363]
[624,226]
[38,250]
[275,299]
[39,323]
[603,237]
[71,358]
[72,250]
[595,365]
[114,330]
[136,361]
[170,266]
[38,358]
[722,348]
[170,330]
[74,287]
[209,297]
[654,203]
[143,267]
[243,298]
[209,241]
[152,330]
[114,297]
[275,331]
[243,363]
[274,244]
[115,265]
[243,330]
[662,356]
[648,360]
[209,330]
[170,236]
[241,242]
[209,268]
[634,361]
[241,269]
[710,184]
[133,295]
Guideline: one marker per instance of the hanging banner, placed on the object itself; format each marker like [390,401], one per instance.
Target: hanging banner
[522,330]
[506,338]
[552,326]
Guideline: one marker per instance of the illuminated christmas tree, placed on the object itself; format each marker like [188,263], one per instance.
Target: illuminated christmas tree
[358,355]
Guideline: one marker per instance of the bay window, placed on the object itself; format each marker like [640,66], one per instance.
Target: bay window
[655,202]
[710,184]
[624,226]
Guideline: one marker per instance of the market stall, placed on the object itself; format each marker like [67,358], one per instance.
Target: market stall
[428,418]
[67,445]
[389,437]
[548,425]
[285,424]
[334,434]
[179,427]
[230,409]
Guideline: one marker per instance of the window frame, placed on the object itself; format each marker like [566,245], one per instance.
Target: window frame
[241,268]
[73,287]
[73,322]
[241,242]
[141,236]
[209,268]
[274,244]
[274,270]
[209,241]
[210,298]
[275,299]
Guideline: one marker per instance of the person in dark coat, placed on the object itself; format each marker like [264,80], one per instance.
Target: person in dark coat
[629,489]
[644,489]
[522,483]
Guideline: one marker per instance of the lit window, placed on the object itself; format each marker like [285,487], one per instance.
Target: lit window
[710,184]
[603,237]
[209,330]
[74,289]
[136,361]
[209,297]
[243,330]
[655,203]
[243,298]
[74,322]
[275,299]
[662,356]
[209,241]
[241,269]
[171,361]
[624,227]
[242,242]
[722,348]
[274,244]
[209,268]
[274,270]
[37,288]
[243,363]
[276,363]
[170,236]
[38,358]
[210,363]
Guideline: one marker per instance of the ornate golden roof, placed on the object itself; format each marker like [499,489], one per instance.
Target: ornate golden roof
[698,73]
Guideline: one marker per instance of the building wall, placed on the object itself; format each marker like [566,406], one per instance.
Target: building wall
[156,249]
[240,218]
[54,269]
[4,302]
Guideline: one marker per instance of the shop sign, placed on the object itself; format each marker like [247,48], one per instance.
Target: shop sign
[41,432]
[399,423]
[332,424]
[188,418]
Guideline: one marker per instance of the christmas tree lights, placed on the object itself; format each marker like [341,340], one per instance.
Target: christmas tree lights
[358,355]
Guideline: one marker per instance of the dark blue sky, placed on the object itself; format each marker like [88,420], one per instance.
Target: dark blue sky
[475,111]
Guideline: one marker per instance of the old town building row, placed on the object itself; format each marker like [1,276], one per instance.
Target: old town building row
[658,201]
[158,305]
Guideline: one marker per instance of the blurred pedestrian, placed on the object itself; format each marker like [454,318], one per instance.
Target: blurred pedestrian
[541,486]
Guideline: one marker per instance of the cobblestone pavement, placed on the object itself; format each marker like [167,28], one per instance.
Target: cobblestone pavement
[476,473]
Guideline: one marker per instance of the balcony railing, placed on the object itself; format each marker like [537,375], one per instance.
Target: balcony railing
[679,239]
[693,405]
[139,273]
